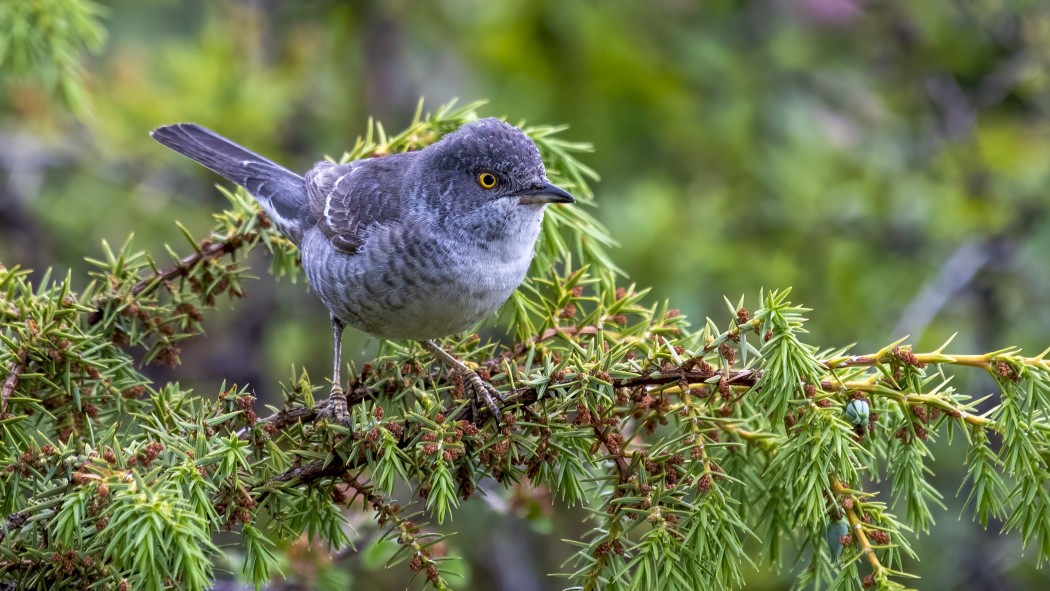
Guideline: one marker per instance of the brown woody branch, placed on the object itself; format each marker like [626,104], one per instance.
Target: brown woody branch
[313,470]
[526,396]
[10,383]
[183,268]
[306,474]
[208,251]
[615,449]
[408,532]
[520,348]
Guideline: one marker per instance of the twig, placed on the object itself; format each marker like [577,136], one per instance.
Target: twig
[408,532]
[615,449]
[214,250]
[981,361]
[686,373]
[855,524]
[527,396]
[10,382]
[289,416]
[386,511]
[548,334]
[305,474]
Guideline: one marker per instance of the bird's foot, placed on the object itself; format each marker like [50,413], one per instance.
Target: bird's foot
[336,409]
[480,391]
[477,389]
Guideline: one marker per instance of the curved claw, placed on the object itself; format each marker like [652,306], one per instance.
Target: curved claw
[483,392]
[336,409]
[479,390]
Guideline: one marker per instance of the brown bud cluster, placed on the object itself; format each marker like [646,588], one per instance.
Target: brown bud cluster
[1005,370]
[728,354]
[395,429]
[879,537]
[583,415]
[907,357]
[611,547]
[705,483]
[146,457]
[742,315]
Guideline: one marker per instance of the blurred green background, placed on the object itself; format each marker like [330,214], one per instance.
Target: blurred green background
[888,159]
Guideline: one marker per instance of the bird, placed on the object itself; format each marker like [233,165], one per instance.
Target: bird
[417,245]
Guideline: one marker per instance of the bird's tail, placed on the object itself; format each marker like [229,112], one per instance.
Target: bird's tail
[281,192]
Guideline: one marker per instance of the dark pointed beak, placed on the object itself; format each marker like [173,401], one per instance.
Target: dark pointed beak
[545,193]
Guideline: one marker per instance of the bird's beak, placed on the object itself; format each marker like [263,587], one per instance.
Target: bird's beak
[545,193]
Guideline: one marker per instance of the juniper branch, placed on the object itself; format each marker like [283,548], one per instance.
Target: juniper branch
[407,531]
[208,251]
[848,504]
[589,360]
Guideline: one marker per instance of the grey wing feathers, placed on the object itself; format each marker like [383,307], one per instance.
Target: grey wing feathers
[349,200]
[281,192]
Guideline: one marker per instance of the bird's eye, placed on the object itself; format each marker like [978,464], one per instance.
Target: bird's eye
[487,180]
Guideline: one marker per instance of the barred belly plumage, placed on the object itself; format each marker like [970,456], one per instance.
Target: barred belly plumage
[405,287]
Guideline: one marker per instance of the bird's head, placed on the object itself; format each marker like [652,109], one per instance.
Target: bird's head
[489,163]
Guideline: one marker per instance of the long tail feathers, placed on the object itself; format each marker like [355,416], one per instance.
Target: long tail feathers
[281,192]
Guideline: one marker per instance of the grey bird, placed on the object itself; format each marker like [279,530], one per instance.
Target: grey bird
[419,245]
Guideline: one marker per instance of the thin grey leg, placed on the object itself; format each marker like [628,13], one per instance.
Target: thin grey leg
[337,351]
[337,407]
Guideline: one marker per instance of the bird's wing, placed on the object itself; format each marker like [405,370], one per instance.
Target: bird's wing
[350,200]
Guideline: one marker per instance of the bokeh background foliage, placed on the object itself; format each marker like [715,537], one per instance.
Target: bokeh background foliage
[887,159]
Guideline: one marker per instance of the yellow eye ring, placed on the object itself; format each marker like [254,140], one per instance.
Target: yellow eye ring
[487,180]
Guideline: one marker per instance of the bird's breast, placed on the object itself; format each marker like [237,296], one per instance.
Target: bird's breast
[418,281]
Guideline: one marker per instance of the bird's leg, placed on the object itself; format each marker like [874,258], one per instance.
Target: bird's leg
[479,391]
[336,410]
